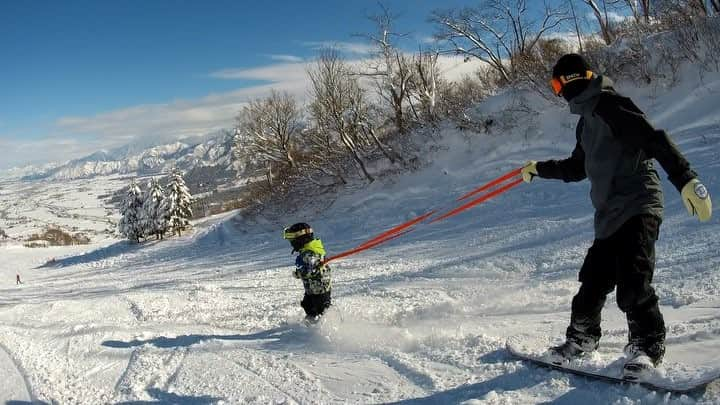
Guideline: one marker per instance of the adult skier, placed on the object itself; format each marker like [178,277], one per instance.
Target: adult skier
[615,148]
[310,269]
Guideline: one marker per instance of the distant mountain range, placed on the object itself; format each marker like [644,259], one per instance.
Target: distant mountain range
[213,151]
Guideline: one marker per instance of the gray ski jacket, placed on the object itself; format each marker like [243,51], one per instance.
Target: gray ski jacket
[614,150]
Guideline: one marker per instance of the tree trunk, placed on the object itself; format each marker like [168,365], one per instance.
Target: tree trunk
[397,107]
[269,176]
[356,156]
[715,5]
[577,26]
[290,159]
[380,145]
[698,6]
[646,10]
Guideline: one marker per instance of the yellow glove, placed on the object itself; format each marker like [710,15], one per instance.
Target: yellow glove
[697,199]
[529,171]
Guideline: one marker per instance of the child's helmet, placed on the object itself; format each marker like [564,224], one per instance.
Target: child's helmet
[298,234]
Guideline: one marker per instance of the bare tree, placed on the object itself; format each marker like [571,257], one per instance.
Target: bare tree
[699,5]
[268,129]
[600,11]
[685,10]
[455,97]
[640,9]
[336,100]
[390,70]
[496,30]
[644,9]
[324,154]
[716,6]
[427,82]
[577,25]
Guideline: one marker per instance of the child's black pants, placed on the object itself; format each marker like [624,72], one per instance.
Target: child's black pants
[315,304]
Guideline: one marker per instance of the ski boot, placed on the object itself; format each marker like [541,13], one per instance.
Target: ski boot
[311,320]
[564,353]
[641,362]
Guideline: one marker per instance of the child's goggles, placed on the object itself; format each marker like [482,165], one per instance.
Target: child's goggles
[557,83]
[294,235]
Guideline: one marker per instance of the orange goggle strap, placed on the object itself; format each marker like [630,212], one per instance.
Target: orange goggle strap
[557,83]
[294,235]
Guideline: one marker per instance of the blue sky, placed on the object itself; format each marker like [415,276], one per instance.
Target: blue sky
[76,76]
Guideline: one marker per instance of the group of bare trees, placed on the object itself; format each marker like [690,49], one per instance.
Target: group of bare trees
[498,32]
[266,132]
[356,111]
[353,111]
[280,138]
[517,38]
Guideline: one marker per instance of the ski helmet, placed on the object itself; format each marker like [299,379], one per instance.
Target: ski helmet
[299,235]
[570,68]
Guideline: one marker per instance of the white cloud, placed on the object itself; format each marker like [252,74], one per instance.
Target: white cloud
[427,40]
[454,67]
[51,149]
[615,17]
[278,73]
[353,48]
[611,16]
[75,136]
[191,117]
[285,58]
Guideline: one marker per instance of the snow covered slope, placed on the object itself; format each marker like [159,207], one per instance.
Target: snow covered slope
[214,316]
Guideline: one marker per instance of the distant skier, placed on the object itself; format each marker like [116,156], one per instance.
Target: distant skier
[309,268]
[17,279]
[615,149]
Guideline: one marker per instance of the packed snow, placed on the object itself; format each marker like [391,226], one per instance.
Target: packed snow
[214,316]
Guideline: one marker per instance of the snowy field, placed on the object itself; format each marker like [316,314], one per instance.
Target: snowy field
[214,316]
[76,206]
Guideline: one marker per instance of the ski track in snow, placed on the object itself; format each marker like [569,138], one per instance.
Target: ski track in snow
[15,380]
[214,316]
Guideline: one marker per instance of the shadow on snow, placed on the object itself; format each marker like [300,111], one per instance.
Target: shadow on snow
[283,337]
[116,249]
[163,397]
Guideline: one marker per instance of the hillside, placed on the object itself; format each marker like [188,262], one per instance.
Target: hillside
[214,316]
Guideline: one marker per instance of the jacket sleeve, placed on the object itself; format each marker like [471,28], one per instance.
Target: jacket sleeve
[629,125]
[308,262]
[570,169]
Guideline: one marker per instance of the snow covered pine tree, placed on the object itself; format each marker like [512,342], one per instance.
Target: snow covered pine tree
[130,226]
[177,204]
[153,218]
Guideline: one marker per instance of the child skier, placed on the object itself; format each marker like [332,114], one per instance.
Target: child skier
[615,149]
[310,269]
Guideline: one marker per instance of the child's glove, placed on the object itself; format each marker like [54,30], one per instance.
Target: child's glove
[697,199]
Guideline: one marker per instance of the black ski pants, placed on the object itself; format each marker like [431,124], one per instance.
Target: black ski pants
[315,304]
[625,260]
